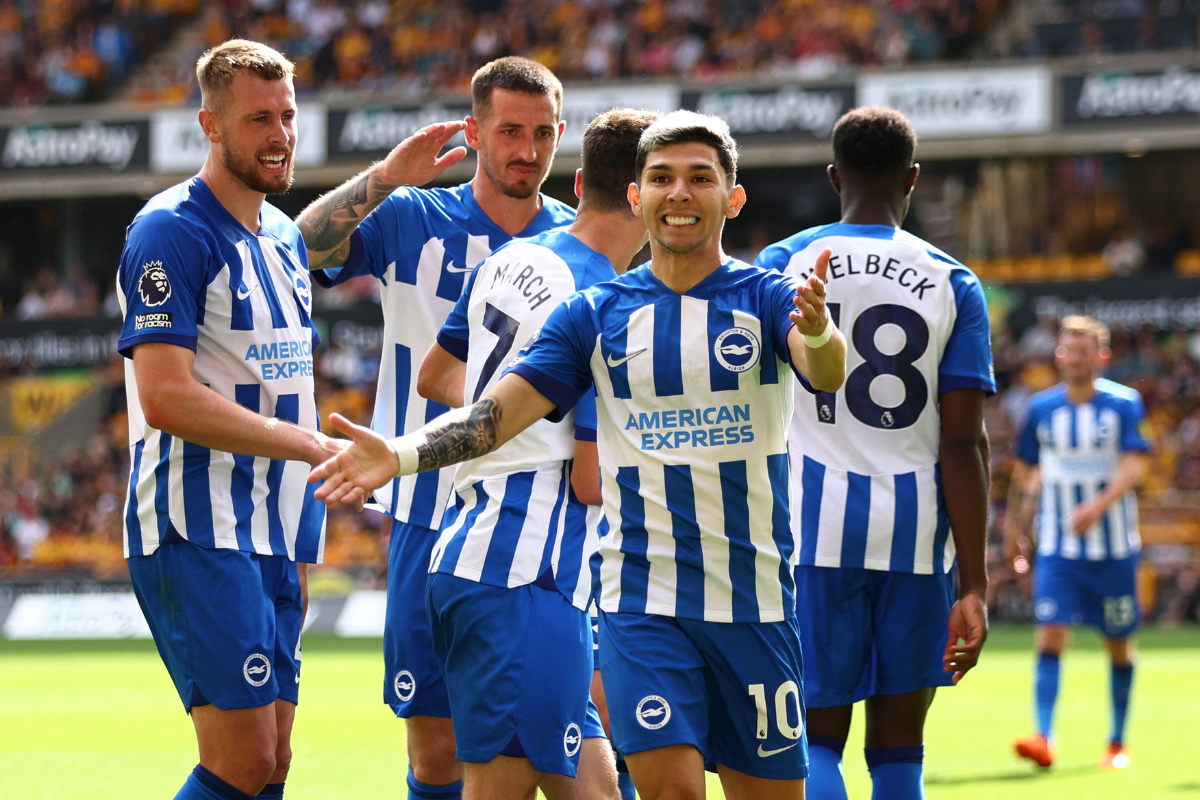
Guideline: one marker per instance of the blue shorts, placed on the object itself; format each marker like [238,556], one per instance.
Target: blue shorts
[867,632]
[412,680]
[595,623]
[731,690]
[226,623]
[1102,594]
[518,671]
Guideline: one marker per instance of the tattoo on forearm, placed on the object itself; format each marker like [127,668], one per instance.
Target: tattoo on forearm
[468,437]
[328,222]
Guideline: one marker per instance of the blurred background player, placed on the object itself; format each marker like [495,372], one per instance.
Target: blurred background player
[689,358]
[217,514]
[422,244]
[890,473]
[510,579]
[1081,442]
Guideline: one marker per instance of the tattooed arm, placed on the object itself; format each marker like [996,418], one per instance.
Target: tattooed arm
[329,220]
[459,435]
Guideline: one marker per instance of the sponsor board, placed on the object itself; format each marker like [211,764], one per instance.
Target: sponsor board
[1163,303]
[178,144]
[76,616]
[374,130]
[362,614]
[784,112]
[89,145]
[953,103]
[1123,97]
[582,105]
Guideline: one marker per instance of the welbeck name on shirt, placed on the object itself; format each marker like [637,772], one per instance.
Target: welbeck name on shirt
[156,319]
[696,421]
[843,264]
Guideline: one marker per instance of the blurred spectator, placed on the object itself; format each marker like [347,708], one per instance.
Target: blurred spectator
[46,297]
[1124,254]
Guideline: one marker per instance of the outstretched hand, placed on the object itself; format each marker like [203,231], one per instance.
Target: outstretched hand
[350,476]
[415,161]
[811,316]
[969,622]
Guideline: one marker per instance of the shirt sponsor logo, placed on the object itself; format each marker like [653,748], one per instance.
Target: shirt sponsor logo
[653,712]
[689,427]
[737,349]
[257,669]
[153,287]
[572,739]
[405,685]
[281,360]
[155,319]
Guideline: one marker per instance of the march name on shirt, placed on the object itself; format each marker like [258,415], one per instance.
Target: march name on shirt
[891,270]
[524,277]
[271,357]
[686,427]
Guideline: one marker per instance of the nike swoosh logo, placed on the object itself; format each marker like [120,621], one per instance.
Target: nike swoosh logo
[242,295]
[451,268]
[614,363]
[768,753]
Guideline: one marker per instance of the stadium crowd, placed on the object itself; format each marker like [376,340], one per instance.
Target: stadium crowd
[67,514]
[66,51]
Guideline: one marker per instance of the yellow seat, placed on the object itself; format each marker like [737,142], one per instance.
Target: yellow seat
[1188,262]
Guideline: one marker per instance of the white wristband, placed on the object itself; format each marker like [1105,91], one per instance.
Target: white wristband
[405,448]
[814,342]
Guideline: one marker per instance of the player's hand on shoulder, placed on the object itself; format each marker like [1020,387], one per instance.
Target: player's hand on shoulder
[364,463]
[415,161]
[811,315]
[968,622]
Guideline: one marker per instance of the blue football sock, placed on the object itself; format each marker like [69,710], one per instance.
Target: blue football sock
[1122,682]
[625,780]
[272,791]
[425,791]
[1046,691]
[203,785]
[825,768]
[897,773]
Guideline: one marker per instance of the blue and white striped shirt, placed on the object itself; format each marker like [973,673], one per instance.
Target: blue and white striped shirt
[693,396]
[191,275]
[865,476]
[421,244]
[518,517]
[1078,448]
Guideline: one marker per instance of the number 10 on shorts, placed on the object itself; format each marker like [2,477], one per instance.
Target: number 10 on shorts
[783,709]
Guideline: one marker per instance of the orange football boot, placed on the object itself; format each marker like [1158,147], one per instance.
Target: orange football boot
[1116,757]
[1036,748]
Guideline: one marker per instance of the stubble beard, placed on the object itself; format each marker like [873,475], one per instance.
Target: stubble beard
[246,171]
[521,190]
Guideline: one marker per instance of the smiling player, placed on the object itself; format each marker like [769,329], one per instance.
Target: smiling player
[215,294]
[422,244]
[690,358]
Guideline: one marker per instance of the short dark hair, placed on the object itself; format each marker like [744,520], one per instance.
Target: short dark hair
[682,127]
[219,65]
[515,74]
[873,140]
[610,148]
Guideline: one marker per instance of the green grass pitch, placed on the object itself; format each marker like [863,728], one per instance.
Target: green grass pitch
[101,721]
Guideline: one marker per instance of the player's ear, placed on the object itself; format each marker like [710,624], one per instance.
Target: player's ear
[579,183]
[911,179]
[208,123]
[737,199]
[635,199]
[562,126]
[473,132]
[835,180]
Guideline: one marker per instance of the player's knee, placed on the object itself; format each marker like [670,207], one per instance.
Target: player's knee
[283,762]
[433,761]
[258,764]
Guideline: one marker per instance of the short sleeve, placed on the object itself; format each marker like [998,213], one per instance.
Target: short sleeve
[585,417]
[455,335]
[967,360]
[777,311]
[163,274]
[1133,414]
[556,362]
[1026,446]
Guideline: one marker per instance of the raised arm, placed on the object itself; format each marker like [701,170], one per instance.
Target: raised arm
[817,347]
[966,479]
[459,435]
[330,219]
